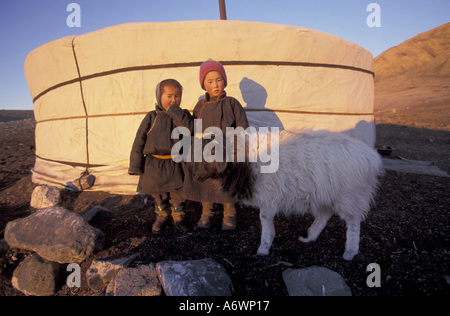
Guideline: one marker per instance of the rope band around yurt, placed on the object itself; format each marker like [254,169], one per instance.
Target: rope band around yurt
[197,64]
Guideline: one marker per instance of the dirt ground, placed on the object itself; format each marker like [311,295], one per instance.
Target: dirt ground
[406,232]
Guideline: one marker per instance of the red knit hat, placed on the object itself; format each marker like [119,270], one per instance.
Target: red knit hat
[208,66]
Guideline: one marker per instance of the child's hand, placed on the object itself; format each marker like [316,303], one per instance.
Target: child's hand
[173,105]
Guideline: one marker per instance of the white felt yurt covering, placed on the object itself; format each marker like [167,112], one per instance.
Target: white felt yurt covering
[91,91]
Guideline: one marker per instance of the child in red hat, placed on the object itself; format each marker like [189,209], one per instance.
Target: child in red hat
[219,110]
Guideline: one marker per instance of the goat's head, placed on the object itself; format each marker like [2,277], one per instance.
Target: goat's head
[236,177]
[212,163]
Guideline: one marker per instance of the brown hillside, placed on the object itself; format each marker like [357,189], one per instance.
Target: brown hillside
[425,54]
[412,83]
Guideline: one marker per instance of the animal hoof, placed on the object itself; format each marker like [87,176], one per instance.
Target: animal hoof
[349,255]
[304,240]
[262,252]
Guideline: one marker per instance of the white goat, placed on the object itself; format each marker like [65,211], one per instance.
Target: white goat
[321,172]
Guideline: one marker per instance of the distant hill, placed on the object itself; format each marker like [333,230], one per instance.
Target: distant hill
[412,81]
[427,54]
[15,115]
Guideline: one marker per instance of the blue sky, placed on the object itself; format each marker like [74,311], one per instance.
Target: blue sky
[27,24]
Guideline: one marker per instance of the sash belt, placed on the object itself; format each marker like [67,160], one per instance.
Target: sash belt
[163,156]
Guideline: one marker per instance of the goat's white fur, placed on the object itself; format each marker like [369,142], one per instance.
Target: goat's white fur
[320,172]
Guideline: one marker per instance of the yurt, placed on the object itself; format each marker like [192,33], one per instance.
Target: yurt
[91,91]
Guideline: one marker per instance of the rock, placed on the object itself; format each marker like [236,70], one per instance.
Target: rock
[36,276]
[3,247]
[315,281]
[103,270]
[45,196]
[84,182]
[56,234]
[203,277]
[98,214]
[140,281]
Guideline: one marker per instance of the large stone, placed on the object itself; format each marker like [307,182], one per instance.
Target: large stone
[45,196]
[36,276]
[56,234]
[315,281]
[98,215]
[140,281]
[203,277]
[103,270]
[3,247]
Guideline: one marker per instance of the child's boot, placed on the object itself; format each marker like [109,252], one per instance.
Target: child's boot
[229,216]
[178,218]
[161,218]
[207,214]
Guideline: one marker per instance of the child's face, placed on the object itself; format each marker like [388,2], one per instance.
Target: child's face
[170,95]
[214,83]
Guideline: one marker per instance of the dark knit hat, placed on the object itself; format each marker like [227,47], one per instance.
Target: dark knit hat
[208,66]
